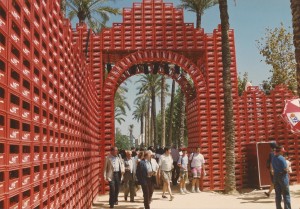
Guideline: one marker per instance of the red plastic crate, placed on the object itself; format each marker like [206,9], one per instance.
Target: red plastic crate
[26,177]
[26,199]
[14,154]
[14,128]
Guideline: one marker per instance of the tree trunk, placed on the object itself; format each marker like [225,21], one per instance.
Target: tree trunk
[147,125]
[182,119]
[142,124]
[150,133]
[163,111]
[63,7]
[295,6]
[230,182]
[153,108]
[171,114]
[198,20]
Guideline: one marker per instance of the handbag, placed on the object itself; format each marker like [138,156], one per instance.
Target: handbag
[153,179]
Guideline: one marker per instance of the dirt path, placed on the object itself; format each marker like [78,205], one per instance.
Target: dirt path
[248,199]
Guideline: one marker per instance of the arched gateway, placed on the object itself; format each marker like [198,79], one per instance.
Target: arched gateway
[155,32]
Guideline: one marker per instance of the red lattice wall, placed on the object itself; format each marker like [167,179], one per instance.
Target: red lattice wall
[49,111]
[56,110]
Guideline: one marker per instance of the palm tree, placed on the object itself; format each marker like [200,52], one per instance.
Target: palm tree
[170,132]
[140,111]
[63,7]
[120,104]
[182,118]
[163,111]
[198,6]
[93,12]
[295,7]
[230,183]
[130,133]
[150,87]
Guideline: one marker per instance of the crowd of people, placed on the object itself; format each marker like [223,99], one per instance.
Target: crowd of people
[151,168]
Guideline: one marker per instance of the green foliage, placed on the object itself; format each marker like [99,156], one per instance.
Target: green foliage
[120,104]
[93,12]
[242,81]
[176,122]
[277,49]
[122,141]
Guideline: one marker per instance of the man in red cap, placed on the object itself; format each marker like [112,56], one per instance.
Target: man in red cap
[281,179]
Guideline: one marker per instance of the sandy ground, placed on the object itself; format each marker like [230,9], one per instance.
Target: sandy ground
[247,199]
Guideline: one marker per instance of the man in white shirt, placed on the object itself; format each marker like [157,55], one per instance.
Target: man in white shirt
[197,168]
[113,170]
[165,169]
[129,177]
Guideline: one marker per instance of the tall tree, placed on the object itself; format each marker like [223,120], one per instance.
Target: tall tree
[295,7]
[182,119]
[130,129]
[150,87]
[163,111]
[93,12]
[121,104]
[170,132]
[139,113]
[278,50]
[242,81]
[63,7]
[198,6]
[230,182]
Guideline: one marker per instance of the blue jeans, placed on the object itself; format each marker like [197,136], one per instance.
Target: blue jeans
[281,185]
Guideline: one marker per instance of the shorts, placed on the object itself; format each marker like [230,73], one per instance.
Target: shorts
[196,172]
[184,175]
[166,176]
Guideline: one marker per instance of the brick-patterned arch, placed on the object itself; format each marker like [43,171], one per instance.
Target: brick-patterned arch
[119,73]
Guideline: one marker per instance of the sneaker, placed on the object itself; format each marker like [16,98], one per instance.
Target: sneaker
[198,190]
[193,190]
[181,191]
[186,191]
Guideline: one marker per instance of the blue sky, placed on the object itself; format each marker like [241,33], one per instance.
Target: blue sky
[248,18]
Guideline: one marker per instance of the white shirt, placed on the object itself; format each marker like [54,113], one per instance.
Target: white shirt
[289,166]
[116,161]
[128,163]
[197,160]
[165,162]
[154,165]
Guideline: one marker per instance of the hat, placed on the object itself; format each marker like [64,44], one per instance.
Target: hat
[280,149]
[273,145]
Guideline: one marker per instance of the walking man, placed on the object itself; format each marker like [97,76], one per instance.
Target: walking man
[281,179]
[270,168]
[176,169]
[129,177]
[197,168]
[113,170]
[183,165]
[165,168]
[144,173]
